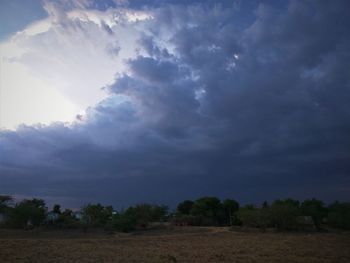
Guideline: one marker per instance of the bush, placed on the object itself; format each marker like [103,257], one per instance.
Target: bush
[28,213]
[97,215]
[230,207]
[315,209]
[4,203]
[124,223]
[67,220]
[339,215]
[184,208]
[139,216]
[284,214]
[5,209]
[254,217]
[185,220]
[208,211]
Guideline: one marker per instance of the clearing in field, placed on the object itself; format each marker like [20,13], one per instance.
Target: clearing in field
[174,244]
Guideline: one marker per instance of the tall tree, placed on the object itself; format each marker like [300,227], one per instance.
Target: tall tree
[314,208]
[185,207]
[230,207]
[284,213]
[208,210]
[28,212]
[97,214]
[56,209]
[4,202]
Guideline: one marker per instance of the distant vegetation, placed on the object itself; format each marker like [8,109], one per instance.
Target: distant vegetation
[287,214]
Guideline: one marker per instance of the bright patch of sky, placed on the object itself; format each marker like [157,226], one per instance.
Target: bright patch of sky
[56,67]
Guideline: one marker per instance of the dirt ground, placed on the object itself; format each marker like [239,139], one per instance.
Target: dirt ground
[177,244]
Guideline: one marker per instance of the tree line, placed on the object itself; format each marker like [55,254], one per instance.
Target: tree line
[286,214]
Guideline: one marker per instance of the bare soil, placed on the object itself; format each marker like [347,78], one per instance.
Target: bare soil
[173,244]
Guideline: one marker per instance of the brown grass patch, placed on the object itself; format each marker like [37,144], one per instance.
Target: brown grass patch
[179,244]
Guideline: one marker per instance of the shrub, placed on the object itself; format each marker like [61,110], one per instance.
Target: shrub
[339,215]
[230,207]
[28,213]
[284,214]
[208,211]
[139,216]
[184,208]
[97,215]
[254,217]
[315,209]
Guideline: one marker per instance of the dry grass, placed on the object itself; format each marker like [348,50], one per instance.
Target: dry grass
[178,244]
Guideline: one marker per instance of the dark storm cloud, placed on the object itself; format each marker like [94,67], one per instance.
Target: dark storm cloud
[253,107]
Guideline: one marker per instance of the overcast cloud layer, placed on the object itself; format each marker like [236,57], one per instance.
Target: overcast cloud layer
[247,100]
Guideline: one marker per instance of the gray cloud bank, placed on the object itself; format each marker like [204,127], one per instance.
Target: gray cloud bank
[243,100]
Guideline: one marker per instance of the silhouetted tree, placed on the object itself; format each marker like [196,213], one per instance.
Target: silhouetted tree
[56,209]
[139,216]
[265,205]
[208,211]
[145,213]
[315,209]
[284,213]
[67,220]
[97,215]
[185,207]
[339,215]
[230,207]
[4,202]
[28,212]
[5,208]
[124,222]
[254,217]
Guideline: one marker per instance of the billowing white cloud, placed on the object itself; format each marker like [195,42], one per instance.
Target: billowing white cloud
[55,68]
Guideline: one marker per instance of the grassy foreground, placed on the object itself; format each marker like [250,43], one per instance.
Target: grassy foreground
[176,244]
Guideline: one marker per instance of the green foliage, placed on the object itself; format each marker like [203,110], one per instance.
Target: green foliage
[97,215]
[254,217]
[287,214]
[5,209]
[284,214]
[28,213]
[145,213]
[265,205]
[339,215]
[139,216]
[248,216]
[185,220]
[230,207]
[67,220]
[124,222]
[208,211]
[315,209]
[56,209]
[4,202]
[184,208]
[159,213]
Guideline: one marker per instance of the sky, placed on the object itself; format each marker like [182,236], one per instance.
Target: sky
[124,102]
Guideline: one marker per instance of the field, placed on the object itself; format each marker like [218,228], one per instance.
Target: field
[175,244]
